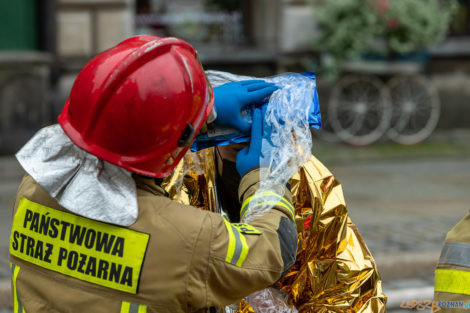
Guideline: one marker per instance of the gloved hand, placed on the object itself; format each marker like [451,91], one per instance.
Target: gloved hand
[253,156]
[230,98]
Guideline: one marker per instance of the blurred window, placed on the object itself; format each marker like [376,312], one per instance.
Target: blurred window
[216,22]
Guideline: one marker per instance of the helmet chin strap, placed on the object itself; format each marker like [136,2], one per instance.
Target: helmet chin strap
[212,116]
[186,136]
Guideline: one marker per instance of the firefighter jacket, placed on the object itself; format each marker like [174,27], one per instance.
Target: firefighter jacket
[452,275]
[174,258]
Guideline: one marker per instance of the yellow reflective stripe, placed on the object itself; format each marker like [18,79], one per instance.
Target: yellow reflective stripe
[128,307]
[260,195]
[17,306]
[244,251]
[272,203]
[238,248]
[125,307]
[277,201]
[452,281]
[231,242]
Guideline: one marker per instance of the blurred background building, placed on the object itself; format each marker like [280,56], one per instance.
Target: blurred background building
[44,43]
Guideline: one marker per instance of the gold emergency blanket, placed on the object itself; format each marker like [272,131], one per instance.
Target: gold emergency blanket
[334,271]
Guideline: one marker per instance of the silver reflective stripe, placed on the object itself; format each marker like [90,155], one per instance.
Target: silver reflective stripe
[133,308]
[455,253]
[238,246]
[129,307]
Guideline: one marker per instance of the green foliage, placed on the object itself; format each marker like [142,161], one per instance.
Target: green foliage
[347,26]
[412,25]
[351,27]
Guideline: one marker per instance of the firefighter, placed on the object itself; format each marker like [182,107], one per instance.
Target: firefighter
[133,112]
[452,275]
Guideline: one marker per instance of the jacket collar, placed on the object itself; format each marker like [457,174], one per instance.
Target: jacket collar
[149,184]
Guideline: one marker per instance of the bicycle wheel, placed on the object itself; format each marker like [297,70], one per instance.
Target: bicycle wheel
[359,109]
[416,109]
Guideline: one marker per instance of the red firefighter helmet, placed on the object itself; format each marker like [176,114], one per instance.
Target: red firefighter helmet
[140,104]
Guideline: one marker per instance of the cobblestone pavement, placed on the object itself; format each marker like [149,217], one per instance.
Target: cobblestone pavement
[408,205]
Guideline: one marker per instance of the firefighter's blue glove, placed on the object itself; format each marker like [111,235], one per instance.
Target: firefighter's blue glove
[253,156]
[231,98]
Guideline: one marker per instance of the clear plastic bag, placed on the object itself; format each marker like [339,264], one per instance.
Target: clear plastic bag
[290,112]
[291,83]
[270,300]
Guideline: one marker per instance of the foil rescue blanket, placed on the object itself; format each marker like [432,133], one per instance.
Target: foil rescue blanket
[334,271]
